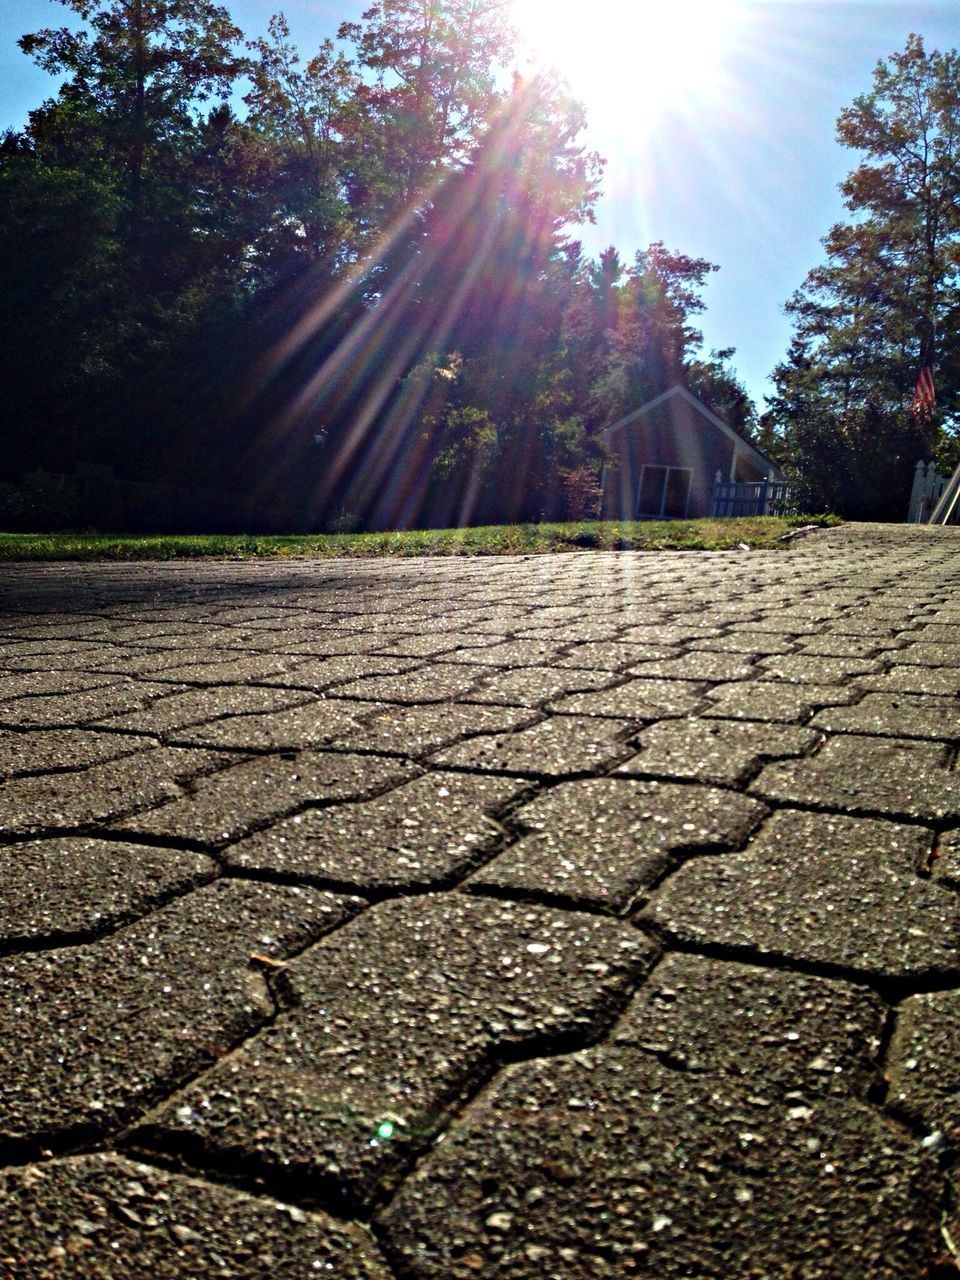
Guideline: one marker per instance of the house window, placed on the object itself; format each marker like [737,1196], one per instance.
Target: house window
[664,492]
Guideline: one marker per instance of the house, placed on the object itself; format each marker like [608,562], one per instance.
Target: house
[667,457]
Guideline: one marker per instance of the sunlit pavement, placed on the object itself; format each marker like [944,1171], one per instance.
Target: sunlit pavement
[589,915]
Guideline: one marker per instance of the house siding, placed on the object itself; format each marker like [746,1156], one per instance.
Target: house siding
[673,433]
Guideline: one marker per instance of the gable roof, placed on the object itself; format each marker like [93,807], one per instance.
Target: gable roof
[741,443]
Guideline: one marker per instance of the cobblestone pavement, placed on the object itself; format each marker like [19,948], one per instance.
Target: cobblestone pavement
[577,916]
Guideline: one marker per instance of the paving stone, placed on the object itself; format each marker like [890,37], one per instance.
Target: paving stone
[923,1064]
[74,885]
[429,644]
[255,618]
[512,653]
[939,681]
[818,609]
[49,750]
[753,643]
[670,633]
[48,682]
[564,613]
[935,633]
[101,1217]
[697,665]
[320,674]
[88,659]
[784,1029]
[533,686]
[636,699]
[551,748]
[53,711]
[726,751]
[945,865]
[710,602]
[601,841]
[924,654]
[611,655]
[416,731]
[221,670]
[322,723]
[612,1164]
[95,1033]
[838,596]
[824,890]
[439,682]
[316,642]
[893,611]
[182,632]
[833,646]
[428,832]
[352,725]
[770,701]
[193,706]
[15,650]
[878,622]
[47,630]
[237,800]
[901,777]
[778,626]
[798,668]
[897,715]
[197,645]
[492,627]
[148,664]
[397,1016]
[102,793]
[873,629]
[587,631]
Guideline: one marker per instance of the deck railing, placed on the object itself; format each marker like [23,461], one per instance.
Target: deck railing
[742,498]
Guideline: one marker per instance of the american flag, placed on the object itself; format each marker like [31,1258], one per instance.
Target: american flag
[924,398]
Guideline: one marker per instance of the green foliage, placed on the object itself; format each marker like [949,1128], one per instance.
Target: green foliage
[118,243]
[358,302]
[886,301]
[39,501]
[299,118]
[431,89]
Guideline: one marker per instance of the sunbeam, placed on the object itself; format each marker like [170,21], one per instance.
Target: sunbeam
[382,461]
[633,61]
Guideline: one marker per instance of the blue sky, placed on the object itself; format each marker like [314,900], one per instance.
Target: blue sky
[743,172]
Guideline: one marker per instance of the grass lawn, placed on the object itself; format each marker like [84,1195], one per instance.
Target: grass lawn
[755,533]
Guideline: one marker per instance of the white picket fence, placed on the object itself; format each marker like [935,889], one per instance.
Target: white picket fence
[741,498]
[934,499]
[928,485]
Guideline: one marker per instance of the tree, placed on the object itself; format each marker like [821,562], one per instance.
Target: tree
[143,66]
[362,299]
[717,386]
[450,364]
[298,115]
[886,301]
[432,88]
[122,204]
[629,331]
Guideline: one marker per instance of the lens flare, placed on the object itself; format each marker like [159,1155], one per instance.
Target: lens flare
[633,62]
[383,465]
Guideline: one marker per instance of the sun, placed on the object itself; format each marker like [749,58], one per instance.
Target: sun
[633,61]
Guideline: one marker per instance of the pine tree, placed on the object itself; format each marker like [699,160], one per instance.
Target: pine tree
[886,301]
